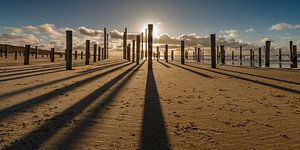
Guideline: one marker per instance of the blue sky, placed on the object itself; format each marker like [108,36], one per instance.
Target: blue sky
[174,17]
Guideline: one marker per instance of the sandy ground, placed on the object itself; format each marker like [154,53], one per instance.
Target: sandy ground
[114,104]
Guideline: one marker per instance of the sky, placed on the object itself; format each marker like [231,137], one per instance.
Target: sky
[236,22]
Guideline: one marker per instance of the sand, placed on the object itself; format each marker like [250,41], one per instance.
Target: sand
[113,104]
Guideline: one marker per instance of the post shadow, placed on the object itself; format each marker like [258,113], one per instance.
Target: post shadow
[190,70]
[154,133]
[167,66]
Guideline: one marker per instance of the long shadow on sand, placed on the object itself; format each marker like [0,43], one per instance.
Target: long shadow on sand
[154,134]
[193,71]
[164,64]
[249,80]
[59,80]
[37,137]
[9,111]
[11,70]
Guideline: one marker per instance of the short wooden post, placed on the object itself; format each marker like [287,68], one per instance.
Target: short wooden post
[105,44]
[26,54]
[1,51]
[133,50]
[125,44]
[182,52]
[280,58]
[99,53]
[241,55]
[157,51]
[251,58]
[6,50]
[294,59]
[198,55]
[222,54]
[64,55]
[267,54]
[87,52]
[95,52]
[232,58]
[259,56]
[291,50]
[52,55]
[150,40]
[36,52]
[16,55]
[102,53]
[69,48]
[107,47]
[213,50]
[75,55]
[172,55]
[128,52]
[218,55]
[138,38]
[81,55]
[167,53]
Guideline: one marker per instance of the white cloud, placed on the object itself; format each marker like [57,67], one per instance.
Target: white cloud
[249,30]
[283,26]
[263,40]
[230,34]
[89,32]
[21,39]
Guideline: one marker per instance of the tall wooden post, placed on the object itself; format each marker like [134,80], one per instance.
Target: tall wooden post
[6,50]
[259,56]
[75,55]
[95,52]
[150,40]
[105,44]
[69,50]
[218,55]
[36,52]
[52,55]
[128,52]
[102,53]
[251,58]
[280,58]
[167,53]
[294,59]
[172,55]
[133,50]
[99,53]
[291,50]
[26,54]
[125,43]
[182,52]
[16,55]
[232,58]
[198,55]
[81,55]
[87,52]
[241,55]
[222,54]
[142,51]
[138,43]
[267,54]
[213,50]
[157,55]
[146,45]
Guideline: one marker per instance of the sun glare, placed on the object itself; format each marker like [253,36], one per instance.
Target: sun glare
[156,31]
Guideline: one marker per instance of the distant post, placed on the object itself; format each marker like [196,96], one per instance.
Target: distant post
[75,55]
[26,54]
[213,50]
[150,30]
[241,55]
[232,58]
[99,52]
[172,55]
[124,43]
[81,55]
[222,54]
[291,50]
[280,58]
[133,50]
[251,58]
[69,50]
[6,50]
[138,38]
[142,51]
[128,52]
[16,55]
[146,39]
[167,53]
[259,56]
[267,54]
[87,52]
[95,52]
[198,55]
[52,55]
[36,52]
[294,60]
[102,53]
[218,55]
[1,51]
[105,44]
[182,52]
[157,55]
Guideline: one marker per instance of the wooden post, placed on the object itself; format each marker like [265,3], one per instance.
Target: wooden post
[241,55]
[75,55]
[222,55]
[280,58]
[65,55]
[167,53]
[182,52]
[69,48]
[150,40]
[142,51]
[26,54]
[36,52]
[138,38]
[213,50]
[291,50]
[259,56]
[6,50]
[251,58]
[81,55]
[128,52]
[1,51]
[105,44]
[147,45]
[125,43]
[218,55]
[16,55]
[99,53]
[133,50]
[198,55]
[232,58]
[294,59]
[102,53]
[157,51]
[87,52]
[52,55]
[95,52]
[172,55]
[267,54]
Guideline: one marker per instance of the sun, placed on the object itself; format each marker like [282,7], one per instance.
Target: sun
[156,30]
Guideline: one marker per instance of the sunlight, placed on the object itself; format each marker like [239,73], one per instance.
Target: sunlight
[156,30]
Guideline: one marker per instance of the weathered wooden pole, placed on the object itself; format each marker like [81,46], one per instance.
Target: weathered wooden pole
[218,55]
[259,56]
[182,52]
[146,45]
[133,50]
[87,52]
[172,55]
[107,47]
[294,59]
[81,55]
[1,51]
[167,53]
[232,58]
[65,55]
[125,43]
[95,53]
[291,50]
[138,44]
[75,58]
[157,51]
[69,48]
[142,51]
[213,50]
[241,55]
[267,54]
[251,58]
[105,44]
[150,40]
[222,54]
[99,53]
[102,53]
[16,55]
[52,55]
[36,52]
[26,54]
[280,58]
[6,50]
[198,55]
[128,52]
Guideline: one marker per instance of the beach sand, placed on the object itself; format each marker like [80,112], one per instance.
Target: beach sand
[114,104]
